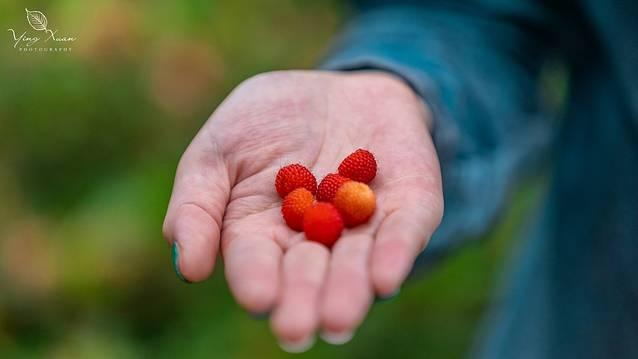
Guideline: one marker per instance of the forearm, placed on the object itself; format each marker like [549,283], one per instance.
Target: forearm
[478,76]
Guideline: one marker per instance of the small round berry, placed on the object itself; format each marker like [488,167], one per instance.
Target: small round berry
[329,185]
[322,223]
[294,207]
[292,177]
[356,202]
[359,166]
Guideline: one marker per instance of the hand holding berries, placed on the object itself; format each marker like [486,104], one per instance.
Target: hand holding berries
[224,201]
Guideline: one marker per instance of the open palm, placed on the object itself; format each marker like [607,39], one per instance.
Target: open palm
[224,196]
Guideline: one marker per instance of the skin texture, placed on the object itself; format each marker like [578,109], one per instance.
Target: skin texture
[224,197]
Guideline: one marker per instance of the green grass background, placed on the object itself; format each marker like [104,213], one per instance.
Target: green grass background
[89,142]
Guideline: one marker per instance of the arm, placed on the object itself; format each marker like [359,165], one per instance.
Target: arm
[223,198]
[476,64]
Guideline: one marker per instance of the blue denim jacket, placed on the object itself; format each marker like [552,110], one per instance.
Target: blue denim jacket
[572,291]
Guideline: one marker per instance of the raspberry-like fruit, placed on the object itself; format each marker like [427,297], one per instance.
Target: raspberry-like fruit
[322,223]
[292,177]
[356,202]
[359,166]
[294,207]
[329,185]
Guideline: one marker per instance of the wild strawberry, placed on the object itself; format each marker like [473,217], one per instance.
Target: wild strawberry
[359,166]
[322,223]
[295,205]
[292,177]
[356,202]
[329,186]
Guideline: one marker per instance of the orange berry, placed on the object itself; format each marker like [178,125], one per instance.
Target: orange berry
[294,207]
[356,202]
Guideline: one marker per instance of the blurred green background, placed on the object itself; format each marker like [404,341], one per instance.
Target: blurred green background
[89,141]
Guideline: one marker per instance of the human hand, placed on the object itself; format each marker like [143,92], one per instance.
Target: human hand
[224,197]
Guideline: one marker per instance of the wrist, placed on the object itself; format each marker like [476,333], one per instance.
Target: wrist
[384,84]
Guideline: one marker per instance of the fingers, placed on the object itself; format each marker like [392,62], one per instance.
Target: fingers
[195,237]
[347,293]
[195,212]
[402,235]
[296,318]
[252,264]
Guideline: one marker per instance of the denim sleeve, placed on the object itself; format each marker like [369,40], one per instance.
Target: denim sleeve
[477,68]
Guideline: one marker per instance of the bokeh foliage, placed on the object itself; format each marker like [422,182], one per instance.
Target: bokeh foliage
[89,141]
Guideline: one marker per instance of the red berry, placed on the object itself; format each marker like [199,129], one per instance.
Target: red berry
[322,223]
[359,166]
[356,202]
[292,177]
[329,186]
[295,205]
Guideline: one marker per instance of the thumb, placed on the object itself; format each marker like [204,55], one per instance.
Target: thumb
[196,208]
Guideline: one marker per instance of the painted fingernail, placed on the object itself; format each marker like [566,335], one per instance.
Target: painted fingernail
[337,338]
[298,346]
[175,260]
[386,298]
[259,315]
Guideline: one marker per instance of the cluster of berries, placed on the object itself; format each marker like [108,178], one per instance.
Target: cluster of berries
[341,199]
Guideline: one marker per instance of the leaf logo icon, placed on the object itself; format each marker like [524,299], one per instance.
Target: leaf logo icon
[37,20]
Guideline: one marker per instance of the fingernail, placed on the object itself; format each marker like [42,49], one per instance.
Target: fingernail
[259,315]
[175,260]
[298,346]
[337,338]
[386,298]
